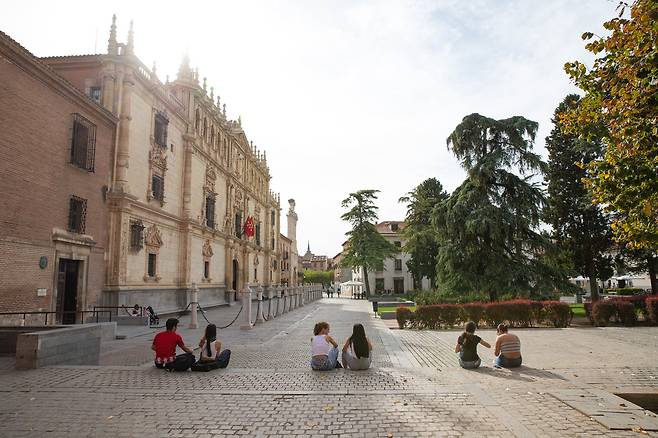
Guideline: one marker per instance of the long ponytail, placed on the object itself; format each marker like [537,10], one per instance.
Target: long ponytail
[469,330]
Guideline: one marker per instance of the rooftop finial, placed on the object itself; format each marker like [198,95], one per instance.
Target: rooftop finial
[130,45]
[224,110]
[239,120]
[112,46]
[154,69]
[219,103]
[212,93]
[204,83]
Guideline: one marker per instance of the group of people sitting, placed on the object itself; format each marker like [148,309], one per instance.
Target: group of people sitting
[146,311]
[211,356]
[507,348]
[356,351]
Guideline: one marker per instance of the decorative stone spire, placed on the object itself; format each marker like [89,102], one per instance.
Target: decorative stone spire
[204,83]
[240,121]
[112,46]
[184,71]
[224,110]
[154,70]
[219,104]
[130,45]
[212,93]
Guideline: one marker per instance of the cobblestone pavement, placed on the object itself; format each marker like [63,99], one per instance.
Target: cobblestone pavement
[415,387]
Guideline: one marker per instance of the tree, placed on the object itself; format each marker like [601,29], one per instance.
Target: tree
[621,94]
[366,248]
[421,241]
[580,227]
[639,261]
[488,227]
[320,277]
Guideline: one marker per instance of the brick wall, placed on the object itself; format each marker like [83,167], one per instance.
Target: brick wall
[37,180]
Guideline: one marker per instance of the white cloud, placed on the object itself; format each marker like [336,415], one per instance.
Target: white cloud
[345,95]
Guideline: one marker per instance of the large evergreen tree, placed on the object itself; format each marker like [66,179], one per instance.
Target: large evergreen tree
[366,248]
[420,238]
[488,227]
[580,227]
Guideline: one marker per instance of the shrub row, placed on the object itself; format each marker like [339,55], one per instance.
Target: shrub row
[623,310]
[516,313]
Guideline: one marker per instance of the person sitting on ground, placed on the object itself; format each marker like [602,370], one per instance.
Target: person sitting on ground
[508,349]
[324,350]
[357,350]
[135,311]
[211,348]
[467,346]
[164,344]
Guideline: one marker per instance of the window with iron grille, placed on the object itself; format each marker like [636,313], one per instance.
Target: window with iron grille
[157,187]
[95,94]
[206,270]
[136,235]
[210,210]
[152,264]
[77,214]
[258,234]
[160,129]
[83,143]
[398,264]
[238,224]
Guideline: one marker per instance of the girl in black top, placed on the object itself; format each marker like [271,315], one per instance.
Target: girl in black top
[467,345]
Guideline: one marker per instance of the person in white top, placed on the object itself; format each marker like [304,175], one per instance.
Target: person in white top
[211,348]
[324,350]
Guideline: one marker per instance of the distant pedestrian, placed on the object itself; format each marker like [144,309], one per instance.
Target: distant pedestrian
[467,345]
[357,351]
[338,291]
[135,311]
[164,345]
[508,349]
[211,348]
[324,350]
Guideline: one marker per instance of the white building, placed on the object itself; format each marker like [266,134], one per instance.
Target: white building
[395,277]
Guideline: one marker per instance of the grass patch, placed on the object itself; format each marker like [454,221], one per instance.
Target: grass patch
[385,309]
[578,310]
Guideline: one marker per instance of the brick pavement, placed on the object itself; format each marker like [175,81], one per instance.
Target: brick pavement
[413,389]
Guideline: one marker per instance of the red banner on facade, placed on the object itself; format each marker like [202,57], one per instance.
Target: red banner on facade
[249,229]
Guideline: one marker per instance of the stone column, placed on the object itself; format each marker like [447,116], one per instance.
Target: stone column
[194,304]
[302,298]
[286,298]
[246,308]
[259,311]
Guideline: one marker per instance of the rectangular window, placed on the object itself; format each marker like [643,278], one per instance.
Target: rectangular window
[379,285]
[206,270]
[160,129]
[398,285]
[272,218]
[272,242]
[157,187]
[95,94]
[210,210]
[394,227]
[83,143]
[136,235]
[258,234]
[238,224]
[77,214]
[398,264]
[152,264]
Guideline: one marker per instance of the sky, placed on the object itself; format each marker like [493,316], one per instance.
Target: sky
[344,95]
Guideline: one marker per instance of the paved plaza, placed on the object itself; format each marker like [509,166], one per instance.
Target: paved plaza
[415,387]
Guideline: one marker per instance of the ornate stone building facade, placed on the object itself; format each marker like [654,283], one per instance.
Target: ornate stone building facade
[187,186]
[289,265]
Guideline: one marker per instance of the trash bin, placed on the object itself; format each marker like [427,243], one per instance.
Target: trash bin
[375,306]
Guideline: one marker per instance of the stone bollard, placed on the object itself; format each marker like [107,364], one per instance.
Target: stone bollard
[194,304]
[259,310]
[302,297]
[246,308]
[291,292]
[270,297]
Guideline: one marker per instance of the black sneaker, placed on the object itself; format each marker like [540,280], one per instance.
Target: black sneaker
[338,365]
